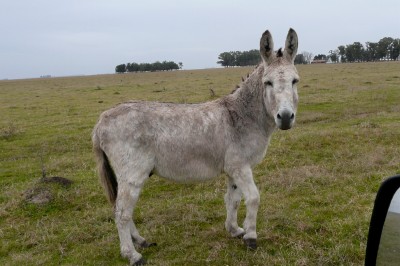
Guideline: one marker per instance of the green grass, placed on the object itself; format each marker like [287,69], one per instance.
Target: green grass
[317,182]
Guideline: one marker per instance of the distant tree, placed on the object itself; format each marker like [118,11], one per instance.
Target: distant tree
[371,51]
[226,59]
[299,59]
[180,64]
[144,67]
[320,57]
[349,53]
[157,66]
[236,55]
[354,52]
[170,65]
[239,58]
[342,53]
[252,57]
[334,55]
[120,68]
[385,48]
[307,56]
[396,49]
[359,51]
[247,58]
[174,66]
[132,67]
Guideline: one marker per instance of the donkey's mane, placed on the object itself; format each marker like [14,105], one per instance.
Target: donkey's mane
[241,102]
[244,79]
[279,53]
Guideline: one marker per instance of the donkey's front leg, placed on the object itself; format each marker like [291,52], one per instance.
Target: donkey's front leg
[243,178]
[233,197]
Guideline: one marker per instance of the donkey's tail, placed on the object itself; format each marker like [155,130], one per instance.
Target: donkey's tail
[105,171]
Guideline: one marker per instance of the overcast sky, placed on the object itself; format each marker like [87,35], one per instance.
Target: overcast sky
[74,37]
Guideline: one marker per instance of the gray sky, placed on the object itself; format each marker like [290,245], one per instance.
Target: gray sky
[73,37]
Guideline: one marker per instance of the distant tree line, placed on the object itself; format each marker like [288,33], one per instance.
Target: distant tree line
[303,58]
[308,58]
[238,58]
[386,49]
[144,67]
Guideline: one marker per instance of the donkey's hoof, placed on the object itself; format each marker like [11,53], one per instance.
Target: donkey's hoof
[240,235]
[251,243]
[147,244]
[140,262]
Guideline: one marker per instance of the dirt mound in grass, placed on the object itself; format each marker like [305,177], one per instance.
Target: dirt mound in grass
[42,192]
[57,180]
[38,195]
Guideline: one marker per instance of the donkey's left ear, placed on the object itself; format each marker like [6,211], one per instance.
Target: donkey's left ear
[291,45]
[267,47]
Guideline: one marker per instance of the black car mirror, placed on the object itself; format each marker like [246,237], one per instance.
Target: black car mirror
[383,246]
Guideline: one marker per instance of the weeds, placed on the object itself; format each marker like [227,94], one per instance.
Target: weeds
[9,131]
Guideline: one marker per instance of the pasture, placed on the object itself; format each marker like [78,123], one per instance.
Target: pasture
[317,182]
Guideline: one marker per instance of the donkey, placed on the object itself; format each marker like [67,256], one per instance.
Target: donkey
[196,142]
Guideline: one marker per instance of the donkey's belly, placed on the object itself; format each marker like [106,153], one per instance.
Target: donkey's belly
[187,170]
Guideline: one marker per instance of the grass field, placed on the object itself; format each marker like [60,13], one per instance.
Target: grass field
[317,182]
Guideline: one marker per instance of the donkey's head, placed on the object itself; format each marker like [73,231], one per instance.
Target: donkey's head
[280,79]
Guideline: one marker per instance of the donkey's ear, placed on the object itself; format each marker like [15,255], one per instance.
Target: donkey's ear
[291,45]
[267,47]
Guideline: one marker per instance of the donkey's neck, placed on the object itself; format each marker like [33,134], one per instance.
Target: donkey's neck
[248,104]
[250,89]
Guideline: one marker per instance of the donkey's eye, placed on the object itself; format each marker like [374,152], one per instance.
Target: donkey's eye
[269,83]
[295,81]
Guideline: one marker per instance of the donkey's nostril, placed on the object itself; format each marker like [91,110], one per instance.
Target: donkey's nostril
[285,119]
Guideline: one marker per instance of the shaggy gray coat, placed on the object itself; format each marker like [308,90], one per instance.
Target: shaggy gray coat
[196,142]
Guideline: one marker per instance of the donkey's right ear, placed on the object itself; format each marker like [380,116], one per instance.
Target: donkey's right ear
[267,47]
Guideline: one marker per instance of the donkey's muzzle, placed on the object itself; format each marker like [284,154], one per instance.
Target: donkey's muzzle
[285,119]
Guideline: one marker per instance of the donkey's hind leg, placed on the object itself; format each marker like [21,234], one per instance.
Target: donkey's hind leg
[233,197]
[128,194]
[137,238]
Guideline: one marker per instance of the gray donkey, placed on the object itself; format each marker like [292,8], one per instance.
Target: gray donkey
[196,142]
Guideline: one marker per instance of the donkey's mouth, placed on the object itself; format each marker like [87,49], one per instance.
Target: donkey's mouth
[285,127]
